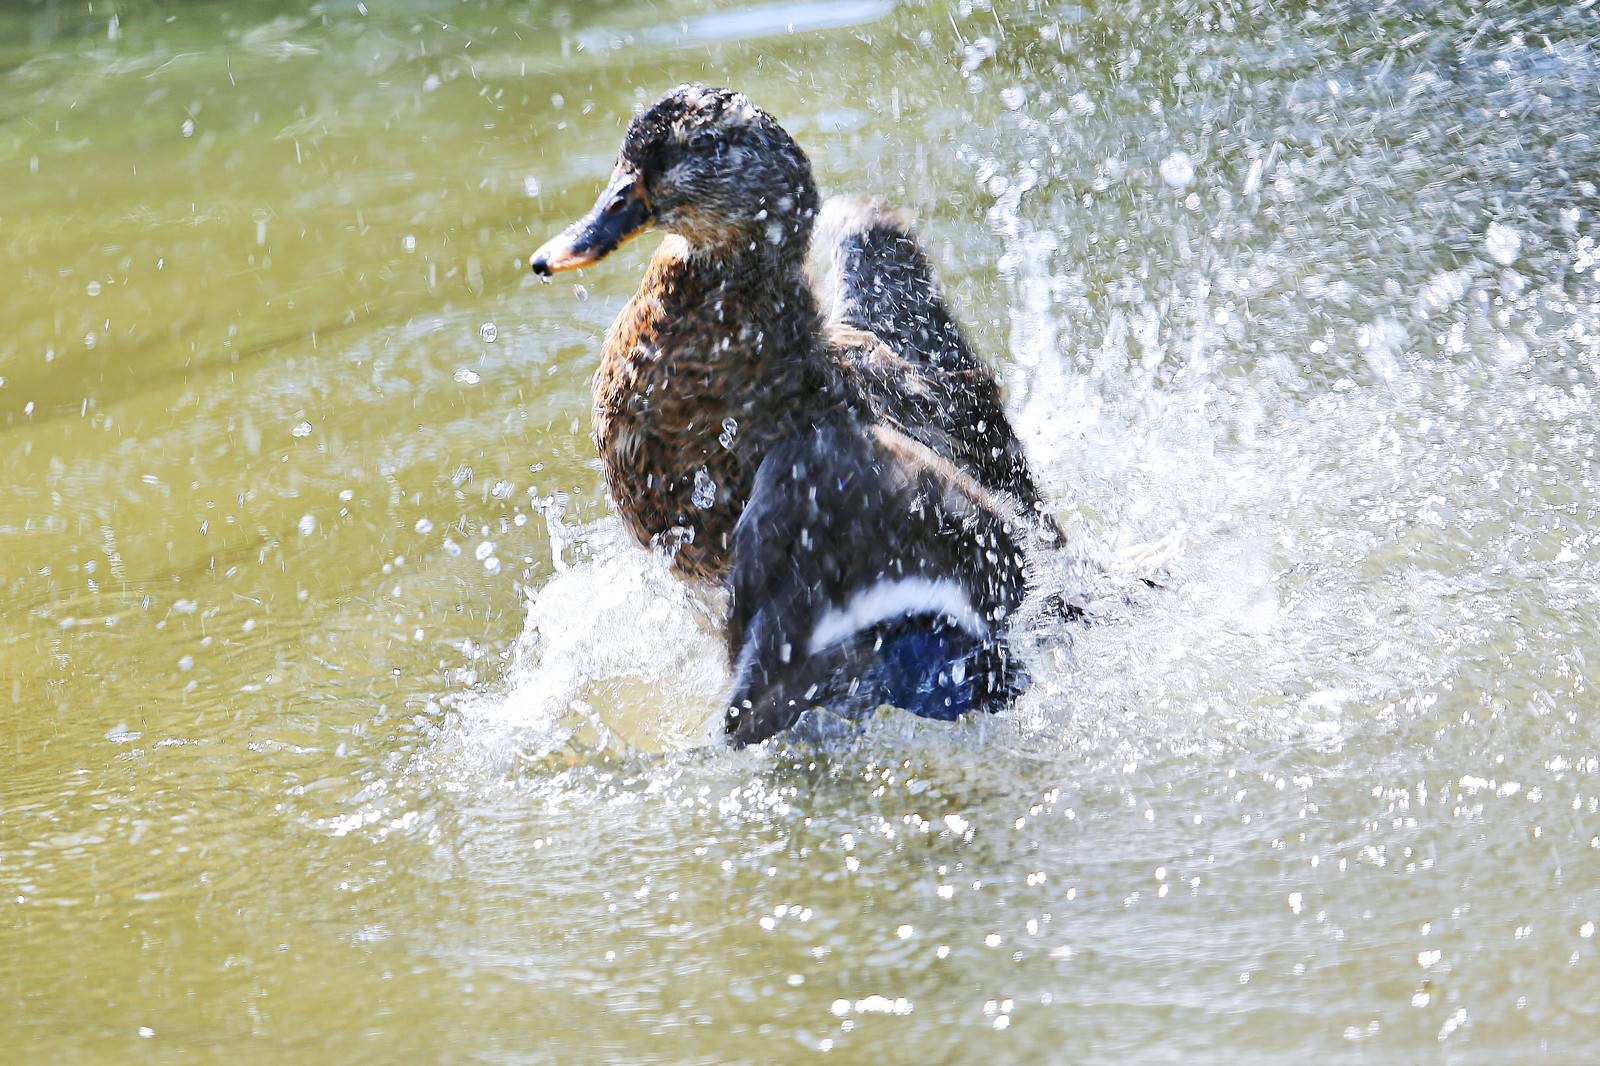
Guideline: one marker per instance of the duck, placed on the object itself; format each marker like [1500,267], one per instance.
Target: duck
[836,455]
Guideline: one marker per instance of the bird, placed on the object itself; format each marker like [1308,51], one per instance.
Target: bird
[840,460]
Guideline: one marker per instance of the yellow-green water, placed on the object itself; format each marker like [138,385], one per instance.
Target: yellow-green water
[340,722]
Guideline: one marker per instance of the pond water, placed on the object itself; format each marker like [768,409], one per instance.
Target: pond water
[344,724]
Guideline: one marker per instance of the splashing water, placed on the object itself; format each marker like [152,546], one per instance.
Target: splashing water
[1313,285]
[616,654]
[705,490]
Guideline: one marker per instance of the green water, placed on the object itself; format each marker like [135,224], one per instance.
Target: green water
[341,724]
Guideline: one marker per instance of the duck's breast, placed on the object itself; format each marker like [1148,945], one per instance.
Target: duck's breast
[670,410]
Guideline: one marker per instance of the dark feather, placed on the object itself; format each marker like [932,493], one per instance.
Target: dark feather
[845,515]
[909,357]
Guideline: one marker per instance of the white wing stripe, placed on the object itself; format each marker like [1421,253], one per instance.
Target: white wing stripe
[896,598]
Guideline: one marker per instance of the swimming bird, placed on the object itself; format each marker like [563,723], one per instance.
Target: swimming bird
[852,476]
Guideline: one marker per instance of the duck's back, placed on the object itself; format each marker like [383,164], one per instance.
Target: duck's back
[892,331]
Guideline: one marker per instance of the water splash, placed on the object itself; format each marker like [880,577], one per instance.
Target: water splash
[616,654]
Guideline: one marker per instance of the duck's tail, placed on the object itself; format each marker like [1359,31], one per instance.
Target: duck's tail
[863,576]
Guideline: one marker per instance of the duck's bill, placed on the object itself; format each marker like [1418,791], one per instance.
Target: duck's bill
[622,212]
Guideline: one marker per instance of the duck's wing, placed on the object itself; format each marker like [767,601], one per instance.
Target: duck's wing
[893,333]
[867,570]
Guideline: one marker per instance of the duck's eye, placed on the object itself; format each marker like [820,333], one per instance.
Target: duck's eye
[701,141]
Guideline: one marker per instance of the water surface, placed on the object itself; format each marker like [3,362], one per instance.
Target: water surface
[344,724]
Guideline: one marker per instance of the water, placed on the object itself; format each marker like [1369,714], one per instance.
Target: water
[344,718]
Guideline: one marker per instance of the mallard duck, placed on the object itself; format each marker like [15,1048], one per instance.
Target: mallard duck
[849,470]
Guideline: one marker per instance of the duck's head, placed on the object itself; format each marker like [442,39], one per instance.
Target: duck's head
[704,164]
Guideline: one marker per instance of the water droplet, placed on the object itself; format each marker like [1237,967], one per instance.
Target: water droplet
[730,430]
[466,376]
[976,54]
[671,541]
[705,490]
[423,526]
[302,429]
[409,243]
[188,127]
[1013,97]
[93,288]
[307,525]
[1177,170]
[491,565]
[488,331]
[451,548]
[121,734]
[580,292]
[530,186]
[1503,243]
[484,550]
